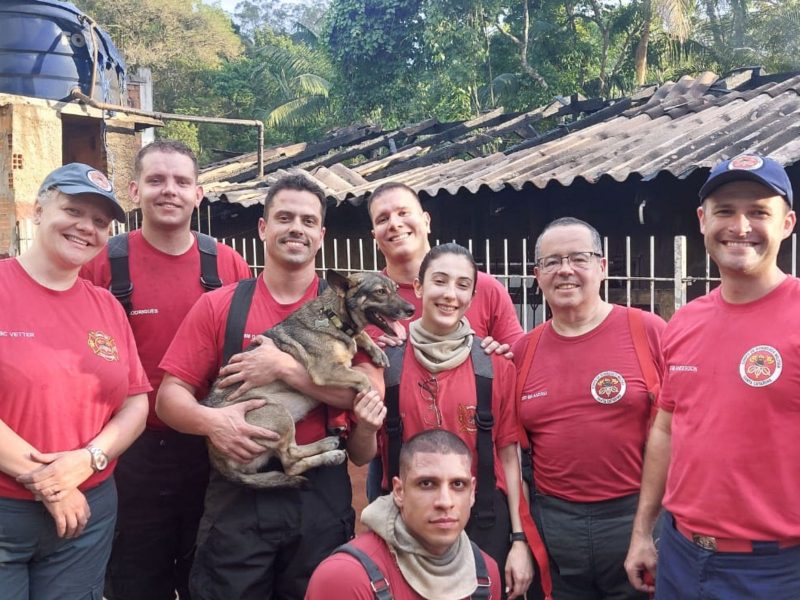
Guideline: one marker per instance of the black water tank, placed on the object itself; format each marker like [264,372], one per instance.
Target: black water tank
[46,50]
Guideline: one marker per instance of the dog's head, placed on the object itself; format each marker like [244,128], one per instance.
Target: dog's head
[371,298]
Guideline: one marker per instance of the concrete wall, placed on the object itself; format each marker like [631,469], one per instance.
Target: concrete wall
[31,149]
[37,136]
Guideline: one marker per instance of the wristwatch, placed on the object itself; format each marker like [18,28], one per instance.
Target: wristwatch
[99,458]
[517,536]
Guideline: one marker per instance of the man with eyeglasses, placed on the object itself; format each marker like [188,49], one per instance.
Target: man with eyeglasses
[585,402]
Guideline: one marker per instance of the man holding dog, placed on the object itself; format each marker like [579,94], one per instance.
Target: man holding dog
[723,450]
[416,547]
[584,406]
[264,544]
[162,477]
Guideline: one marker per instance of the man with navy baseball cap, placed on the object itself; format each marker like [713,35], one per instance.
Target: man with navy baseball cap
[722,454]
[749,167]
[78,178]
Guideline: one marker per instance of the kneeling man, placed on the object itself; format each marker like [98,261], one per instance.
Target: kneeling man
[416,546]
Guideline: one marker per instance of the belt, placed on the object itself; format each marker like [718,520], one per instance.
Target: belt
[716,544]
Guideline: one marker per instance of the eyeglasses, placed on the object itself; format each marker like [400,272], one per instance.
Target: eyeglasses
[430,390]
[577,260]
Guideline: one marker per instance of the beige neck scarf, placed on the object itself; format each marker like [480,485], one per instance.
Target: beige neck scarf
[441,353]
[447,577]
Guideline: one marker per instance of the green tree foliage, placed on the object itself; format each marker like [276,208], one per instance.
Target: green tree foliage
[175,39]
[376,48]
[308,66]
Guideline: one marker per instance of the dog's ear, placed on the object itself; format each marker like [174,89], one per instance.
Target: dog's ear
[337,281]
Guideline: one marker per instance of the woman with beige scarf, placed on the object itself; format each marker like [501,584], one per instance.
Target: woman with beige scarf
[438,389]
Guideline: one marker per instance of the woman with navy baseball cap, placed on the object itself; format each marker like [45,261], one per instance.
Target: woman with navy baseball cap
[72,396]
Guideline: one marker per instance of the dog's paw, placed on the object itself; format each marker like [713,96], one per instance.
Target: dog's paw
[380,359]
[335,457]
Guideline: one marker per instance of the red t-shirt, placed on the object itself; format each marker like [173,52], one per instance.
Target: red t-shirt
[342,577]
[490,314]
[164,289]
[731,384]
[68,361]
[195,354]
[457,402]
[586,409]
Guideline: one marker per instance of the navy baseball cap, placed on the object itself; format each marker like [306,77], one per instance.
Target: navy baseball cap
[753,167]
[78,178]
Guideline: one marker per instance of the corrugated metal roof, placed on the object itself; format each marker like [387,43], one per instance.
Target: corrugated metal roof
[677,128]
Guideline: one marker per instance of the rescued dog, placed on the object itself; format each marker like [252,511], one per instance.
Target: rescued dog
[323,335]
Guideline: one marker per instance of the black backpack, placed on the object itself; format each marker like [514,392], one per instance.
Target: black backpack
[121,285]
[484,421]
[380,585]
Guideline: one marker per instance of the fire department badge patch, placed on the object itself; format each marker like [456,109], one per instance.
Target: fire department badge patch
[100,180]
[760,366]
[103,346]
[608,387]
[466,418]
[746,162]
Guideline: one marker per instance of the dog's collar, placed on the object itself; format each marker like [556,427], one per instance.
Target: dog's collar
[338,323]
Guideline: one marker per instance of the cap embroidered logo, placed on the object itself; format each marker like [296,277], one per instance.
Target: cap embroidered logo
[746,162]
[100,180]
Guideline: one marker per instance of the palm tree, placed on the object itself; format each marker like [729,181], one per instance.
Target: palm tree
[301,78]
[675,17]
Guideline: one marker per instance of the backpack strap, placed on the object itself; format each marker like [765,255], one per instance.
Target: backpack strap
[535,542]
[322,286]
[645,357]
[121,285]
[393,423]
[209,276]
[522,374]
[484,589]
[237,314]
[237,318]
[484,422]
[377,580]
[380,585]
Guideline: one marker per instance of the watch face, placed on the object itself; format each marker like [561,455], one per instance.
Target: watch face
[101,460]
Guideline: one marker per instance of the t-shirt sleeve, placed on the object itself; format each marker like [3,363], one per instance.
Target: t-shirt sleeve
[518,350]
[138,383]
[503,390]
[235,267]
[97,270]
[193,356]
[504,325]
[341,577]
[666,401]
[654,327]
